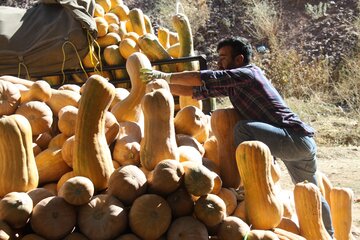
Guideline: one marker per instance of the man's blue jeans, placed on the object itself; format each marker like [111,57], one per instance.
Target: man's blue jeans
[298,152]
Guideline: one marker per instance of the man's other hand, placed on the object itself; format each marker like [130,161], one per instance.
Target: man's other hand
[147,75]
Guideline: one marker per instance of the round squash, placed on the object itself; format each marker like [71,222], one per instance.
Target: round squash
[53,218]
[39,115]
[181,203]
[229,199]
[104,217]
[198,179]
[9,98]
[232,228]
[39,194]
[127,183]
[188,228]
[16,208]
[67,120]
[77,190]
[210,209]
[150,216]
[166,177]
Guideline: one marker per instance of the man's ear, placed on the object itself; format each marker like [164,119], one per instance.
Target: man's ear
[239,60]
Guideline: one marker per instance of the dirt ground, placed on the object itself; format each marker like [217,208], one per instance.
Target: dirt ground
[342,166]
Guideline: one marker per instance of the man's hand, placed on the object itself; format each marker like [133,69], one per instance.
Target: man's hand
[146,75]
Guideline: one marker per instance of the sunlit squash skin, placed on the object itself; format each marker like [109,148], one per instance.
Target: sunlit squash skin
[341,212]
[307,198]
[92,156]
[182,26]
[137,20]
[18,171]
[222,125]
[159,142]
[129,109]
[264,209]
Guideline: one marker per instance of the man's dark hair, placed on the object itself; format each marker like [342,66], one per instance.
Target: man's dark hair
[239,46]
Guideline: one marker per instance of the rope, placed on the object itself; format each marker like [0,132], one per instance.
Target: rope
[27,71]
[91,52]
[64,59]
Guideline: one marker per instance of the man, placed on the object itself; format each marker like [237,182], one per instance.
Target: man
[266,117]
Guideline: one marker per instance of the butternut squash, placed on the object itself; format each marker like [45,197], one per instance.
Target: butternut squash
[253,159]
[122,11]
[222,125]
[153,49]
[341,212]
[163,36]
[130,108]
[127,47]
[51,165]
[18,171]
[192,121]
[308,209]
[182,26]
[92,156]
[159,142]
[136,17]
[148,25]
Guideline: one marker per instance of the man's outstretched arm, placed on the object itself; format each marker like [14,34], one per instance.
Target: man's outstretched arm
[187,78]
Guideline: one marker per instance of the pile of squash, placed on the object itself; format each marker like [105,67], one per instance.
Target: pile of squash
[123,31]
[98,161]
[89,163]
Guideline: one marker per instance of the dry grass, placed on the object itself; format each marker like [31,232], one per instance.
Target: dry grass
[197,12]
[265,20]
[326,97]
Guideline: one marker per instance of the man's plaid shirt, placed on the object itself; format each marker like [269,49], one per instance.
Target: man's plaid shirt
[252,94]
